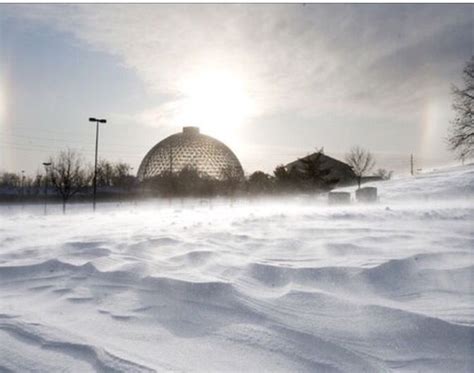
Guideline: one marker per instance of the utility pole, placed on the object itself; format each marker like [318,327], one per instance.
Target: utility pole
[46,165]
[411,164]
[97,121]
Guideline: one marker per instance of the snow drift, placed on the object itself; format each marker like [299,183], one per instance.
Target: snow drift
[276,285]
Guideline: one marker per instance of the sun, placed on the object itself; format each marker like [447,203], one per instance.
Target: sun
[218,102]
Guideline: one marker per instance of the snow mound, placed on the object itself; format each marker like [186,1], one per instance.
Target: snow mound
[272,285]
[447,183]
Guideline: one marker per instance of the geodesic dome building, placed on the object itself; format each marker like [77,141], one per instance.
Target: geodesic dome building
[190,149]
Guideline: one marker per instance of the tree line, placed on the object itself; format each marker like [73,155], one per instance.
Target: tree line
[68,176]
[65,176]
[310,177]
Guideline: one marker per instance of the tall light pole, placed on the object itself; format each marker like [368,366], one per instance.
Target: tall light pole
[22,181]
[97,121]
[22,189]
[46,165]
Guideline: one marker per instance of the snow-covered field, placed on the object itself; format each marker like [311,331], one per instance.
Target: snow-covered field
[266,286]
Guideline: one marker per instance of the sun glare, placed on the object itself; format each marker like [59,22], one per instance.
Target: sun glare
[217,102]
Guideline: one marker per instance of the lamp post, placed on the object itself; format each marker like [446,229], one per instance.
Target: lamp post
[46,165]
[22,181]
[22,189]
[97,121]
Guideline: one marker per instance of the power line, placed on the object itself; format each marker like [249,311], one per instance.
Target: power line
[29,137]
[84,132]
[56,143]
[46,148]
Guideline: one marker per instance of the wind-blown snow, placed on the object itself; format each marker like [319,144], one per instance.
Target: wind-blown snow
[268,285]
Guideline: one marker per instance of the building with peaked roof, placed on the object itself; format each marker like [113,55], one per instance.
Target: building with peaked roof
[338,170]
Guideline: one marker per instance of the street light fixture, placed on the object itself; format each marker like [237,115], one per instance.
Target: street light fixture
[97,121]
[46,165]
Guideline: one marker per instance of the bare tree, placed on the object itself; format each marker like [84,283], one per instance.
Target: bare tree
[461,133]
[260,182]
[67,175]
[384,174]
[105,173]
[231,179]
[10,180]
[122,176]
[361,161]
[122,170]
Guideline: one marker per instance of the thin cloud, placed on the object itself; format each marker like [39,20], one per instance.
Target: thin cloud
[292,55]
[359,61]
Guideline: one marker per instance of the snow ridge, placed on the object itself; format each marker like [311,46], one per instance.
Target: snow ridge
[287,285]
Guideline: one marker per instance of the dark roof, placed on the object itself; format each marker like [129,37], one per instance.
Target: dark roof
[324,159]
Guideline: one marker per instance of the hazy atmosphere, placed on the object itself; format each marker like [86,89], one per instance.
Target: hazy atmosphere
[273,82]
[236,188]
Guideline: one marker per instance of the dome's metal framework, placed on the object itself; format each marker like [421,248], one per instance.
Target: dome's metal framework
[192,150]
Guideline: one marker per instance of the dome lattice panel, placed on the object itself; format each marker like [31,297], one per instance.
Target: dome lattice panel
[193,150]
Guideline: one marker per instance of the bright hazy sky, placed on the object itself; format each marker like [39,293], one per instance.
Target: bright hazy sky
[273,82]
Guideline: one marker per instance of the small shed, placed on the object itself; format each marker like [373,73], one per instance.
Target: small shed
[366,194]
[339,198]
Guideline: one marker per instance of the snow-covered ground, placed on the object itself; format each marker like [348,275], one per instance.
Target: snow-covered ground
[269,285]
